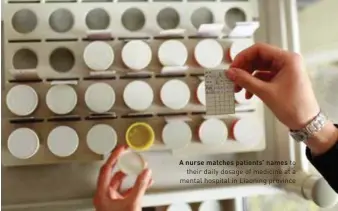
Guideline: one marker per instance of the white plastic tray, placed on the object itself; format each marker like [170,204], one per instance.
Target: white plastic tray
[72,186]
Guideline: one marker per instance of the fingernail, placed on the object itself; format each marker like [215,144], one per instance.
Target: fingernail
[231,74]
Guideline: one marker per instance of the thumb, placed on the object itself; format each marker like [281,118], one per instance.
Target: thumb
[244,79]
[141,185]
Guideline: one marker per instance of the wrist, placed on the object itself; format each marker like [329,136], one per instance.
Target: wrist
[323,140]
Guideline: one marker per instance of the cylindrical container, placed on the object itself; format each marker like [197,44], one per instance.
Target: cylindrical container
[240,98]
[211,205]
[317,189]
[101,139]
[63,141]
[235,48]
[200,93]
[138,95]
[23,143]
[312,187]
[175,94]
[176,134]
[98,55]
[208,53]
[140,136]
[131,163]
[136,54]
[213,131]
[247,131]
[100,97]
[172,53]
[178,207]
[61,99]
[22,100]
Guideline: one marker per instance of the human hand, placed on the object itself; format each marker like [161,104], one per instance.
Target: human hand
[278,78]
[108,196]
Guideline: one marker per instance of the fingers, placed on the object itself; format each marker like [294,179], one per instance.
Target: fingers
[262,75]
[141,185]
[247,81]
[260,57]
[106,170]
[117,180]
[129,190]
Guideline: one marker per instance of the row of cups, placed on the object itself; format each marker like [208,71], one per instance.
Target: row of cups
[137,54]
[63,141]
[210,205]
[100,97]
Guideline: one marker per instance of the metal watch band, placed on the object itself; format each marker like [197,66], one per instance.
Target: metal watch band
[309,130]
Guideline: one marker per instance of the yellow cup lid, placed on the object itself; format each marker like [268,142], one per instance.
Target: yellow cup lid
[140,136]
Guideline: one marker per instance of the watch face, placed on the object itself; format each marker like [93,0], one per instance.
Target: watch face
[299,136]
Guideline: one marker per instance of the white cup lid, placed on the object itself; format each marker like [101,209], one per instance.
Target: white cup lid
[131,163]
[23,143]
[172,53]
[136,54]
[100,97]
[201,93]
[98,55]
[209,53]
[211,205]
[248,131]
[179,207]
[176,134]
[239,46]
[63,141]
[240,97]
[213,131]
[22,100]
[175,94]
[138,95]
[61,99]
[101,139]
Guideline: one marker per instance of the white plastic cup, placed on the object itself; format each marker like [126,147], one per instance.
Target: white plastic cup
[131,163]
[209,53]
[237,47]
[100,97]
[136,54]
[178,207]
[101,139]
[240,98]
[247,131]
[213,132]
[23,143]
[22,100]
[61,99]
[172,53]
[176,134]
[138,95]
[63,141]
[211,205]
[200,93]
[98,55]
[175,94]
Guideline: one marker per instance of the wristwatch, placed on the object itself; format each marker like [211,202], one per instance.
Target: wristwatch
[309,130]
